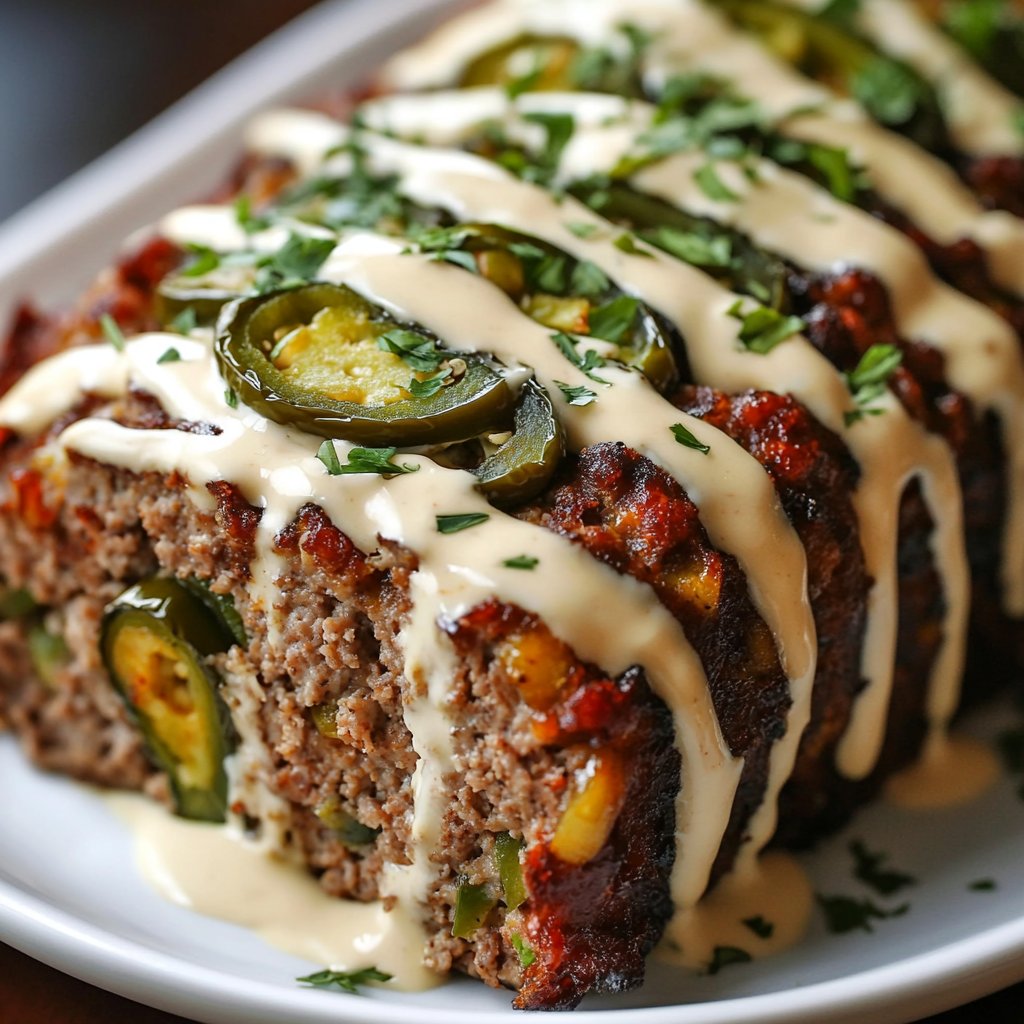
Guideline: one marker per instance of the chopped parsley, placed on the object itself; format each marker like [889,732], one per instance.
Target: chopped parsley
[346,981]
[231,398]
[832,163]
[983,885]
[581,229]
[521,562]
[613,320]
[458,257]
[243,214]
[840,12]
[688,440]
[759,926]
[460,521]
[691,247]
[579,396]
[112,331]
[627,243]
[559,129]
[726,956]
[712,185]
[204,259]
[868,868]
[889,90]
[296,263]
[429,386]
[587,363]
[523,951]
[763,327]
[185,322]
[845,914]
[867,381]
[362,460]
[588,280]
[419,351]
[171,355]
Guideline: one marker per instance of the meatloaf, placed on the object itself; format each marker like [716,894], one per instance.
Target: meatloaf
[599,459]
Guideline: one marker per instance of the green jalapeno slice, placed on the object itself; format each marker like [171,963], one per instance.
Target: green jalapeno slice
[154,640]
[525,462]
[323,359]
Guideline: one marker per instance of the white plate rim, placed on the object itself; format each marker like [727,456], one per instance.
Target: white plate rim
[291,63]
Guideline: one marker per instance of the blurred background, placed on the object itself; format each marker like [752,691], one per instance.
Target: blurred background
[76,78]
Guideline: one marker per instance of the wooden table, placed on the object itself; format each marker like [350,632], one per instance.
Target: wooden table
[31,993]
[109,66]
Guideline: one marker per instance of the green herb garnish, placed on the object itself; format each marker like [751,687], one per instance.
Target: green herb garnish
[460,521]
[587,363]
[347,981]
[204,259]
[112,331]
[763,327]
[415,349]
[868,868]
[171,355]
[845,914]
[521,562]
[867,381]
[581,229]
[578,396]
[627,243]
[296,263]
[362,460]
[523,951]
[613,320]
[698,250]
[231,398]
[688,440]
[712,185]
[430,386]
[185,321]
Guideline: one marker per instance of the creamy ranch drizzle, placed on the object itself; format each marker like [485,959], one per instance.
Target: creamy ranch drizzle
[979,111]
[890,449]
[887,465]
[689,36]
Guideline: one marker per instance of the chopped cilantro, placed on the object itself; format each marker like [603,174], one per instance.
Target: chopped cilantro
[726,956]
[524,83]
[243,214]
[204,259]
[231,398]
[759,926]
[581,229]
[579,396]
[868,868]
[627,243]
[521,562]
[687,439]
[112,331]
[460,521]
[458,257]
[845,914]
[171,355]
[185,321]
[613,320]
[712,185]
[699,250]
[559,129]
[296,263]
[888,89]
[588,280]
[550,274]
[587,363]
[362,460]
[347,981]
[867,381]
[430,386]
[419,351]
[763,327]
[840,12]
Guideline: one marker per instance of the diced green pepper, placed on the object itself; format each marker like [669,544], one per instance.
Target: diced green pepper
[472,905]
[48,653]
[510,871]
[349,830]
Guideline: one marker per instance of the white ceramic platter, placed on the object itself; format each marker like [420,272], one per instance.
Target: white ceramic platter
[69,894]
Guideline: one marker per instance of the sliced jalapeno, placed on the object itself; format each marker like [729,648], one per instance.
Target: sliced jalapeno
[522,465]
[737,262]
[154,639]
[205,296]
[318,358]
[891,90]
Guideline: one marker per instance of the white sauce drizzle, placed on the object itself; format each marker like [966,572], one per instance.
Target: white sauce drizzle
[692,37]
[982,358]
